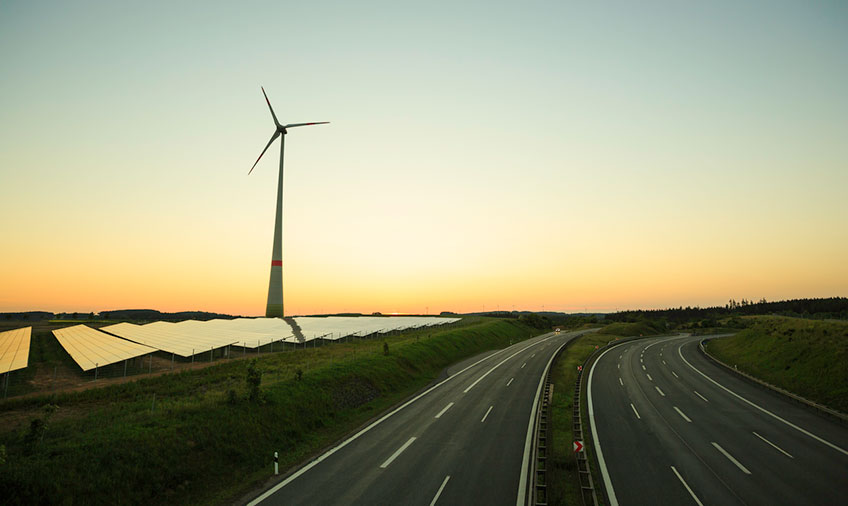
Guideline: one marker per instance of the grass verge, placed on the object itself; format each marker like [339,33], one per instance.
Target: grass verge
[195,437]
[806,357]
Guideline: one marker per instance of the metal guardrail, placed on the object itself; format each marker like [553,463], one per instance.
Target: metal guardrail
[584,472]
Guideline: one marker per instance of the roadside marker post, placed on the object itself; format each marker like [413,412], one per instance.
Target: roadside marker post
[276,464]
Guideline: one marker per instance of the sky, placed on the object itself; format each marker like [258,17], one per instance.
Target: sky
[568,156]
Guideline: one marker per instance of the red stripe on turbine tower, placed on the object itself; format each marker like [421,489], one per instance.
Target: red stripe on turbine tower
[276,262]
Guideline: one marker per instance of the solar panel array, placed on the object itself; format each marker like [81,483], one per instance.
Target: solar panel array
[14,349]
[167,337]
[191,337]
[91,348]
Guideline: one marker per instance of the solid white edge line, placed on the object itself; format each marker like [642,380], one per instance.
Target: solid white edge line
[442,412]
[687,487]
[781,450]
[682,414]
[701,396]
[508,383]
[396,453]
[333,450]
[660,391]
[634,411]
[730,458]
[764,410]
[528,439]
[602,465]
[487,414]
[433,502]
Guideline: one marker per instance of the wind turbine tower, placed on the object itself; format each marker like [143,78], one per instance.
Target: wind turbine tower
[274,309]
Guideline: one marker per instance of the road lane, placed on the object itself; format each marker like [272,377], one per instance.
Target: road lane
[471,428]
[692,439]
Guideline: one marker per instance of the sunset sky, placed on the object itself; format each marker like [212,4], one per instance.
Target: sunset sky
[532,155]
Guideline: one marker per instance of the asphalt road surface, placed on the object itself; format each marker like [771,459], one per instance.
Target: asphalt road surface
[675,428]
[463,441]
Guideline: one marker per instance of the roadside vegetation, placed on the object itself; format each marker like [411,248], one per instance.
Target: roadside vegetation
[208,435]
[806,357]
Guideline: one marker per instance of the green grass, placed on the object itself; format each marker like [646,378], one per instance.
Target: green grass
[640,328]
[806,357]
[107,445]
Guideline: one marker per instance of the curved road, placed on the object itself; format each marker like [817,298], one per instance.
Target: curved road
[462,441]
[675,428]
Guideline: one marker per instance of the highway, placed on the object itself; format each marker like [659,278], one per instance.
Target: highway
[675,428]
[462,441]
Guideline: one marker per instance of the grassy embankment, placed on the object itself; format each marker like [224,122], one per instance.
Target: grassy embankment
[204,441]
[563,481]
[805,357]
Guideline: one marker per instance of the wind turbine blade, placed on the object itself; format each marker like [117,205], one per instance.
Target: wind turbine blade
[292,125]
[273,138]
[269,107]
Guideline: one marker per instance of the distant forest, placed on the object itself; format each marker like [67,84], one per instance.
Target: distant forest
[833,307]
[119,314]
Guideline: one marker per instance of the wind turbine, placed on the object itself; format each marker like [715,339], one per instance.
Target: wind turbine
[274,309]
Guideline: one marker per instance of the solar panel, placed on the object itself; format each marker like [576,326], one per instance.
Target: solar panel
[192,336]
[91,348]
[14,349]
[169,338]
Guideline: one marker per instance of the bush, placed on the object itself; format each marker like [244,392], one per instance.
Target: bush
[254,379]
